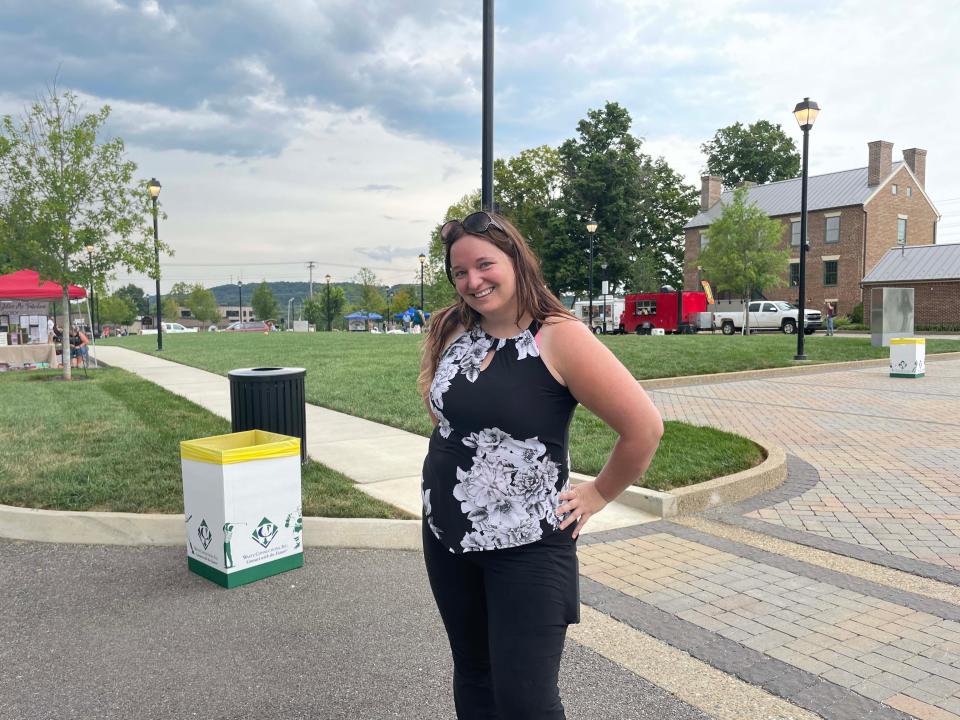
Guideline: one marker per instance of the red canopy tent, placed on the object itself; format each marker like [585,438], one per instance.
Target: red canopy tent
[26,285]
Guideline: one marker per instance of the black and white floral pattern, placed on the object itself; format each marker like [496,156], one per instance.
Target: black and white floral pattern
[508,492]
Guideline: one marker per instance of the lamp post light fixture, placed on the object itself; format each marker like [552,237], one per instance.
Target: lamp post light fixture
[806,113]
[592,229]
[329,319]
[423,259]
[154,187]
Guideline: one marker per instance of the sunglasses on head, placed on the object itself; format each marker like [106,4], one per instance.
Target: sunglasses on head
[478,222]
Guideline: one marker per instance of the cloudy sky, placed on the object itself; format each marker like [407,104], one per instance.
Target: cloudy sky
[339,131]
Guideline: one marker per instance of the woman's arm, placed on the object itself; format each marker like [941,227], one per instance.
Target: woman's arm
[604,386]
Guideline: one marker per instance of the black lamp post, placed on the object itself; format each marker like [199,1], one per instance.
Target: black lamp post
[603,266]
[806,113]
[486,169]
[423,259]
[592,229]
[329,319]
[240,306]
[154,187]
[93,304]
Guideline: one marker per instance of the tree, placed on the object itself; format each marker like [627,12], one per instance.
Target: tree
[315,308]
[371,294]
[117,310]
[744,252]
[203,305]
[758,153]
[61,188]
[264,303]
[136,297]
[437,290]
[603,170]
[171,309]
[403,300]
[526,190]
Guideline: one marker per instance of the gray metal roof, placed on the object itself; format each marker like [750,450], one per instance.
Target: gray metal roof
[833,190]
[921,262]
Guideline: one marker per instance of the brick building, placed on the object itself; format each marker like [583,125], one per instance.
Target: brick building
[933,271]
[853,218]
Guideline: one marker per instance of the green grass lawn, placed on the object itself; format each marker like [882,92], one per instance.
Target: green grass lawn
[111,442]
[374,377]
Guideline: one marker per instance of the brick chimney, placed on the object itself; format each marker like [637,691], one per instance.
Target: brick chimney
[881,160]
[710,188]
[916,160]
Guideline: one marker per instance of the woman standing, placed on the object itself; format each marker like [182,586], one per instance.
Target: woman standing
[503,370]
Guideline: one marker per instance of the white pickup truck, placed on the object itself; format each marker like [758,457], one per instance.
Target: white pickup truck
[768,315]
[169,328]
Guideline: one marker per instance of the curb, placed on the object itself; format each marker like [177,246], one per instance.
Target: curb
[663,383]
[114,528]
[694,498]
[109,528]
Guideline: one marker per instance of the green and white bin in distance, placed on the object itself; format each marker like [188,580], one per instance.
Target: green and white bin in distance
[242,506]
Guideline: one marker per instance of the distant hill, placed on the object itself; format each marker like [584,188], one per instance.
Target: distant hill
[283,291]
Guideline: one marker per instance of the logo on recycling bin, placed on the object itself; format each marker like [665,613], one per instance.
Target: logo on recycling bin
[265,532]
[203,532]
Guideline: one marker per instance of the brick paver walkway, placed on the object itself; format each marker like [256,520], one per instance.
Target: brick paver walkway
[887,451]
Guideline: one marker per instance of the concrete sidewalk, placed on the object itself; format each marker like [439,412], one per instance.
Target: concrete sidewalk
[384,462]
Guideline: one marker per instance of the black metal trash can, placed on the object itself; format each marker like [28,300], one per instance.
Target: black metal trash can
[271,399]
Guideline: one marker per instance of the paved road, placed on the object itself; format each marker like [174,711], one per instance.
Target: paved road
[117,632]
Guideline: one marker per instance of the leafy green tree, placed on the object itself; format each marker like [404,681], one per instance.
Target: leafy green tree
[760,153]
[437,291]
[744,250]
[264,303]
[315,308]
[171,309]
[526,190]
[402,299]
[63,188]
[116,310]
[371,292]
[603,169]
[203,305]
[136,296]
[667,203]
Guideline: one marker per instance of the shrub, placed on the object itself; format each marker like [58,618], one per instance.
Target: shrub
[856,315]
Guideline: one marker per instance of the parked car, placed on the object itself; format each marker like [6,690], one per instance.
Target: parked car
[169,328]
[248,326]
[768,315]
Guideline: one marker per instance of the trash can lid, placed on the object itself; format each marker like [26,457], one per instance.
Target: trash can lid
[266,372]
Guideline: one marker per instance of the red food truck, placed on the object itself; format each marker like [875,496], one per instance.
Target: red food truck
[645,311]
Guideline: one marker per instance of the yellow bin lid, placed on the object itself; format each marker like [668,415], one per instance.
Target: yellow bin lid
[240,447]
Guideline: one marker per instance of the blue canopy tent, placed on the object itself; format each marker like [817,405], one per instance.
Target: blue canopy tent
[410,312]
[363,316]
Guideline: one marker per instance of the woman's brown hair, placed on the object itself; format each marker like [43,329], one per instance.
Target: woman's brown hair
[533,297]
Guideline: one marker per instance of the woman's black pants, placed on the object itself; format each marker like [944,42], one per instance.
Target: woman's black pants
[506,614]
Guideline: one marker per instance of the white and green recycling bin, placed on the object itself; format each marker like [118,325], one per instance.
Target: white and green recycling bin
[908,357]
[242,506]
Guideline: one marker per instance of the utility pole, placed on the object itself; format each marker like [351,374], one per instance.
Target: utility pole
[311,265]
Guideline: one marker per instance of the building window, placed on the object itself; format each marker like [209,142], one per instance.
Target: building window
[795,233]
[893,189]
[901,231]
[909,191]
[704,240]
[829,273]
[794,274]
[832,232]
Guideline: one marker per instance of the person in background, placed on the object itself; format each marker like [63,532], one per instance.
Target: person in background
[78,347]
[831,313]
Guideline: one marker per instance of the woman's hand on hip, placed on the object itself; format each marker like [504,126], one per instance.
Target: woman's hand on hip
[582,502]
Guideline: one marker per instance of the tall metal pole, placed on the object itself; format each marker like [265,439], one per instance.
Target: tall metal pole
[93,312]
[156,253]
[590,311]
[487,168]
[328,305]
[240,307]
[421,286]
[801,311]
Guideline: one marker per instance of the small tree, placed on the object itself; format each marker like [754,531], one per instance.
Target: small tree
[117,310]
[315,309]
[203,305]
[61,189]
[401,301]
[171,309]
[371,294]
[743,253]
[264,303]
